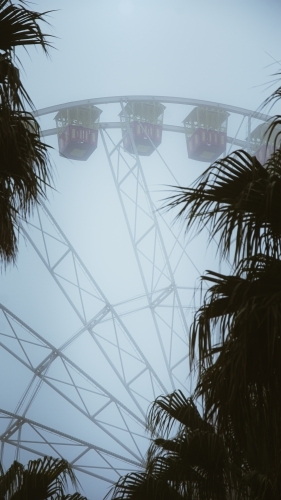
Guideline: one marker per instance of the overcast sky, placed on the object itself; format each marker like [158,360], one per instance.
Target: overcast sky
[215,50]
[221,51]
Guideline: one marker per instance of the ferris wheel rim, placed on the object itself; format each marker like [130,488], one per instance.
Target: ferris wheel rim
[151,98]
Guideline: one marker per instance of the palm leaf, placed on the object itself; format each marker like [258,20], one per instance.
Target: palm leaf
[25,168]
[143,486]
[171,409]
[11,480]
[42,479]
[195,462]
[20,27]
[246,302]
[24,175]
[74,496]
[240,201]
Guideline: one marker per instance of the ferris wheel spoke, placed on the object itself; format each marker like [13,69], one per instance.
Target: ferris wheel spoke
[28,435]
[82,281]
[177,245]
[145,233]
[100,423]
[65,378]
[135,236]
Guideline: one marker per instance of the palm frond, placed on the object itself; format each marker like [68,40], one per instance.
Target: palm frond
[239,200]
[174,408]
[44,479]
[143,486]
[241,306]
[20,27]
[11,480]
[25,169]
[74,496]
[195,461]
[25,173]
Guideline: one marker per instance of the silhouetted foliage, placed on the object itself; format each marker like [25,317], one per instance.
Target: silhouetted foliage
[24,165]
[42,479]
[232,450]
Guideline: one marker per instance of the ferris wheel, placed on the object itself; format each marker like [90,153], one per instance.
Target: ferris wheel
[85,388]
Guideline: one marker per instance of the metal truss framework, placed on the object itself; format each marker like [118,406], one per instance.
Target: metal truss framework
[48,441]
[20,342]
[119,418]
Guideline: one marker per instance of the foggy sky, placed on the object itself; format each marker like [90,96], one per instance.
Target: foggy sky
[221,51]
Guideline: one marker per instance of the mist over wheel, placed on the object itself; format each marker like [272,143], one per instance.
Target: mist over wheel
[114,275]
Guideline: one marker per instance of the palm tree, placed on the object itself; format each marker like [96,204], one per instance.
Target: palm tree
[235,344]
[41,479]
[194,463]
[240,375]
[24,167]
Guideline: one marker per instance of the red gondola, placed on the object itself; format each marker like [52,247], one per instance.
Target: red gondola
[142,127]
[78,131]
[262,142]
[206,133]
